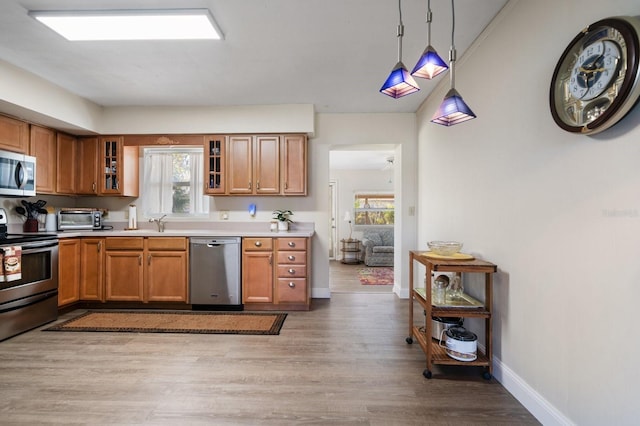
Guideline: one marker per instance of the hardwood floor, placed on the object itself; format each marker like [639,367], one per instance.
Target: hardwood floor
[343,278]
[345,362]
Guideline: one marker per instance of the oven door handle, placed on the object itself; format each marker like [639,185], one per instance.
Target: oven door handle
[37,246]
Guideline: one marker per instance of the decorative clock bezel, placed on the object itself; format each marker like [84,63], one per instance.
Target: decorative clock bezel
[617,97]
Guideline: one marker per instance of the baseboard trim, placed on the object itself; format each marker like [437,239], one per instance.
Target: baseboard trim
[321,293]
[541,409]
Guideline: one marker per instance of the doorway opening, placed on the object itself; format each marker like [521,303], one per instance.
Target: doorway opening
[353,171]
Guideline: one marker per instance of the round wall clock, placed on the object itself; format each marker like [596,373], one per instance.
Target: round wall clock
[595,82]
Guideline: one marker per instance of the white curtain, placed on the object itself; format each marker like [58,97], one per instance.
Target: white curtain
[199,203]
[158,187]
[157,197]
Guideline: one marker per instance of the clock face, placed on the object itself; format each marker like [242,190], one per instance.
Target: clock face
[595,82]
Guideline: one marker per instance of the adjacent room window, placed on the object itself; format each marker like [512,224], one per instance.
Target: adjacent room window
[173,182]
[374,209]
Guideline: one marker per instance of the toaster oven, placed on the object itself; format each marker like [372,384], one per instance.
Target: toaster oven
[79,219]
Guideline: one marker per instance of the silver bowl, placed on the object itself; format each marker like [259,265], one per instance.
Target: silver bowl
[444,248]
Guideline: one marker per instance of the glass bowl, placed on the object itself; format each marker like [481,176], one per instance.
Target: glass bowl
[444,248]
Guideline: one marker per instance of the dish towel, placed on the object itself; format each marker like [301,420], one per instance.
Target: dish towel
[11,263]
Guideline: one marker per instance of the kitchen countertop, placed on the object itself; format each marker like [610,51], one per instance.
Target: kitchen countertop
[181,229]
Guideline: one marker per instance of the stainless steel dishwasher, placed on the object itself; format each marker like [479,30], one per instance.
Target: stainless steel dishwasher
[214,269]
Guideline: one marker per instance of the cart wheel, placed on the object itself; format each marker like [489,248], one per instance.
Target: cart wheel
[426,373]
[486,375]
[409,340]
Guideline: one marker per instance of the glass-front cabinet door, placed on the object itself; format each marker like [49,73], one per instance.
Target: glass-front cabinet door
[111,164]
[214,154]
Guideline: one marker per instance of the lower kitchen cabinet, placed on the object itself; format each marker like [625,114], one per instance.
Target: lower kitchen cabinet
[166,269]
[92,269]
[257,270]
[68,271]
[275,274]
[152,269]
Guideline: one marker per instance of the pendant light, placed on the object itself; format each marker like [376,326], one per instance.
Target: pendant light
[430,63]
[453,109]
[400,83]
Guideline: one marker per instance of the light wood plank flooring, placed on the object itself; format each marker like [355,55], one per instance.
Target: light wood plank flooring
[343,278]
[345,362]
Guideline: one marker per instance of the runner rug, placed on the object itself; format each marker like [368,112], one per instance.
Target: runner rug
[379,275]
[175,322]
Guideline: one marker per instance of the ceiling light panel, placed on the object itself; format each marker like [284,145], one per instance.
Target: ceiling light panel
[173,24]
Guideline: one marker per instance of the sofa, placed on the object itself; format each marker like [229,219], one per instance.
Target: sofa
[377,247]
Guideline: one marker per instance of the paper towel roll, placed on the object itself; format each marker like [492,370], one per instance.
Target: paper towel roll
[133,223]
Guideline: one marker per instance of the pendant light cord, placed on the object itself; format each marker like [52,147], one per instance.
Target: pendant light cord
[429,19]
[400,31]
[452,51]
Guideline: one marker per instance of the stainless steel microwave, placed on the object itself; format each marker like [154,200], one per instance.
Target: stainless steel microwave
[79,219]
[17,174]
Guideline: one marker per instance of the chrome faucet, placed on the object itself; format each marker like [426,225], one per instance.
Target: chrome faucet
[159,222]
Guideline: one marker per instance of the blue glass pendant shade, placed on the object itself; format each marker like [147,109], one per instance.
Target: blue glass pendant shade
[429,65]
[452,110]
[400,83]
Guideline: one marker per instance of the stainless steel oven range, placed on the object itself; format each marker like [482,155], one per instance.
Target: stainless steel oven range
[32,299]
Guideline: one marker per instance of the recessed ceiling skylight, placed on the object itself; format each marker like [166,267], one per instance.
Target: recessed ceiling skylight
[172,24]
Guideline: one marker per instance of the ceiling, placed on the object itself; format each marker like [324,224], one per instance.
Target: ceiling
[334,54]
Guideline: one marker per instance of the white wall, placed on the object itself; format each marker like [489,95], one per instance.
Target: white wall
[558,213]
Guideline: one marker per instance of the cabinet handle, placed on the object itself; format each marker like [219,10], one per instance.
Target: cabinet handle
[99,246]
[258,243]
[292,284]
[140,259]
[291,258]
[291,271]
[249,185]
[149,260]
[291,244]
[270,259]
[93,187]
[286,185]
[258,185]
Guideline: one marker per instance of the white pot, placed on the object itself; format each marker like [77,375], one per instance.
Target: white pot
[283,226]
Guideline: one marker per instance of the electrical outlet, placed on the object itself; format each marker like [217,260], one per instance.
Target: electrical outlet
[224,214]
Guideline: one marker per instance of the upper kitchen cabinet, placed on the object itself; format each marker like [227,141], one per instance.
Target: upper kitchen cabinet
[117,167]
[294,165]
[253,165]
[42,146]
[264,164]
[14,135]
[215,148]
[66,160]
[87,173]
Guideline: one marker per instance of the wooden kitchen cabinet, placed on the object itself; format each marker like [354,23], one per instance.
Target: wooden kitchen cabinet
[43,146]
[92,269]
[215,151]
[240,165]
[294,165]
[166,269]
[257,271]
[87,173]
[275,273]
[117,167]
[66,160]
[291,273]
[14,135]
[152,269]
[68,271]
[124,270]
[253,164]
